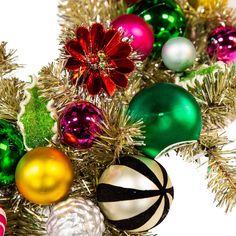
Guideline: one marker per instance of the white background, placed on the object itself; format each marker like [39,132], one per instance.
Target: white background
[32,28]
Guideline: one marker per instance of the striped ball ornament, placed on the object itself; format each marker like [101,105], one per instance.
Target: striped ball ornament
[3,222]
[135,194]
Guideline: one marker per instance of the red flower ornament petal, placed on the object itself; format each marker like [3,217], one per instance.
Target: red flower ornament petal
[72,64]
[124,65]
[119,79]
[109,35]
[83,36]
[112,38]
[74,48]
[122,50]
[94,85]
[97,37]
[108,85]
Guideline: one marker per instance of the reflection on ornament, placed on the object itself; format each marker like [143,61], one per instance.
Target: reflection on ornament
[44,175]
[11,151]
[178,54]
[222,44]
[3,222]
[135,194]
[141,32]
[79,124]
[166,18]
[75,216]
[170,114]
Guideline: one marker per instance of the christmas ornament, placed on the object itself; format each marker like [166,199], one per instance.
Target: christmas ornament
[166,18]
[208,4]
[75,216]
[99,59]
[11,150]
[3,222]
[178,54]
[79,124]
[222,44]
[135,26]
[44,175]
[135,194]
[35,120]
[171,116]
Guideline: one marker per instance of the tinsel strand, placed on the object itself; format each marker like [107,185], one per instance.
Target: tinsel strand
[7,60]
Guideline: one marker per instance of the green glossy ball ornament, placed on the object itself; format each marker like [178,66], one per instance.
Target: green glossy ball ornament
[170,114]
[11,151]
[166,18]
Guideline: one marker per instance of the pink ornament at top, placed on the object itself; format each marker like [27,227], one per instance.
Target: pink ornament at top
[222,44]
[143,36]
[79,123]
[3,222]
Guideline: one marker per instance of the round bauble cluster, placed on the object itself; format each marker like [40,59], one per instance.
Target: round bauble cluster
[165,17]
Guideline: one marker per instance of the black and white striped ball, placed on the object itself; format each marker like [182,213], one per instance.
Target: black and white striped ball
[135,194]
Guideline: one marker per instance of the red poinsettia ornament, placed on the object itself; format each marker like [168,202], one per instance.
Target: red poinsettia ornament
[99,59]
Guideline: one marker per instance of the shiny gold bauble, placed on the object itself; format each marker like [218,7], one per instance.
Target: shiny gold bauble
[44,175]
[209,4]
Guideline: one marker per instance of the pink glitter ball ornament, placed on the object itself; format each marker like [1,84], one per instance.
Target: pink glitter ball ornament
[79,124]
[143,36]
[222,44]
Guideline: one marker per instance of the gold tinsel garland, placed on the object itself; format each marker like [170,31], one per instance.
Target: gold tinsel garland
[216,94]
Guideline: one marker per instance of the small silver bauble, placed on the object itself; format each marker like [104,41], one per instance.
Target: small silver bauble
[178,54]
[75,217]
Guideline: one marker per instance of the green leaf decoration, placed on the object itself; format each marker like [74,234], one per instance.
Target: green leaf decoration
[35,119]
[200,72]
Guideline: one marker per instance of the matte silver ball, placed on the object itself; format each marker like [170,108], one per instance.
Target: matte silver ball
[75,216]
[178,54]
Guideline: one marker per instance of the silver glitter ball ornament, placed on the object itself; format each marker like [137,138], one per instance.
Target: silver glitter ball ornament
[178,54]
[75,217]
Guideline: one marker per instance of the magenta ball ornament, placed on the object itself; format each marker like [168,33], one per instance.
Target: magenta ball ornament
[79,123]
[222,44]
[134,26]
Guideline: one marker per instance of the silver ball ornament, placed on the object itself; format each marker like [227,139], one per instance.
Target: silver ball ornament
[178,54]
[75,217]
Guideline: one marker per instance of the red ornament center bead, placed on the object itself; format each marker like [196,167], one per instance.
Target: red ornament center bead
[94,59]
[79,124]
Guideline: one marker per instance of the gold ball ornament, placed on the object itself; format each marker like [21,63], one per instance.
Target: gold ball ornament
[209,4]
[44,175]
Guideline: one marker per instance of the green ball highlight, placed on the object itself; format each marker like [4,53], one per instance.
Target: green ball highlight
[11,151]
[171,116]
[166,18]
